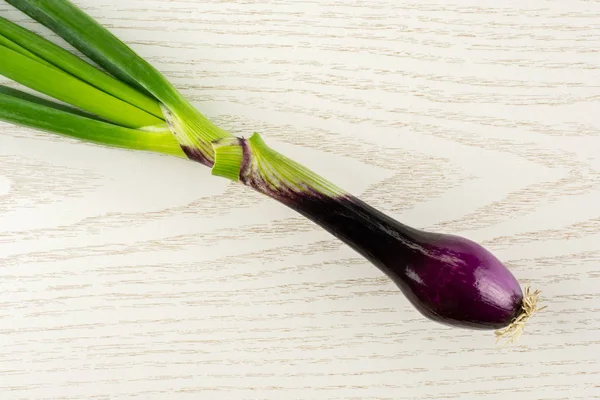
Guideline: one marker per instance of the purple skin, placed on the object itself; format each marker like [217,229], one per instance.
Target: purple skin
[449,279]
[197,156]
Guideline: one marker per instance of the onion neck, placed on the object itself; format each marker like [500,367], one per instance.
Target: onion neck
[382,240]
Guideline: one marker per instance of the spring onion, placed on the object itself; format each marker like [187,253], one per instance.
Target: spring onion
[125,102]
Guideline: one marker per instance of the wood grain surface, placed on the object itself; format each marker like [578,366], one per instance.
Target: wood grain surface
[127,275]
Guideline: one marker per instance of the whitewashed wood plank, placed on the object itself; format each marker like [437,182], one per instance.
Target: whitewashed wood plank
[136,276]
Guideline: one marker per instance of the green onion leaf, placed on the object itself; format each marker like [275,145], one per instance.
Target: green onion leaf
[62,86]
[99,45]
[35,99]
[24,109]
[43,50]
[6,42]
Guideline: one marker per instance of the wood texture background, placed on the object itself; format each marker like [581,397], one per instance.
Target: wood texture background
[137,276]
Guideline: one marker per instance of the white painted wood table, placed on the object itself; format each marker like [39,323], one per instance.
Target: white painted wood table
[130,275]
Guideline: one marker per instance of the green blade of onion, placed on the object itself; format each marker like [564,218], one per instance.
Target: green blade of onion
[81,31]
[63,86]
[26,110]
[99,45]
[6,42]
[41,101]
[43,50]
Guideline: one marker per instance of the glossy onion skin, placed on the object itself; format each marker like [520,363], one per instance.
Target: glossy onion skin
[449,279]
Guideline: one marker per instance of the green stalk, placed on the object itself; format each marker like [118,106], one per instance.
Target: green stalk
[252,162]
[24,109]
[45,51]
[85,34]
[63,86]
